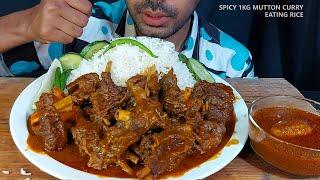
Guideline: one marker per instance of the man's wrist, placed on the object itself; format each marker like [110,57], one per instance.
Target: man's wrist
[16,31]
[23,30]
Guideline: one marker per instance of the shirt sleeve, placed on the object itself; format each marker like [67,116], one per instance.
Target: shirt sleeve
[249,69]
[4,71]
[222,54]
[240,64]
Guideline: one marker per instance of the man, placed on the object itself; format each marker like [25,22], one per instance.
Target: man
[172,20]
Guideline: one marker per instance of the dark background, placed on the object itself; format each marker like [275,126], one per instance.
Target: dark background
[281,47]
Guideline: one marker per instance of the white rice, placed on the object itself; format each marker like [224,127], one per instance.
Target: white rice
[128,61]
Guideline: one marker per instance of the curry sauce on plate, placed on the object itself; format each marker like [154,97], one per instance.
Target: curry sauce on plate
[70,156]
[148,129]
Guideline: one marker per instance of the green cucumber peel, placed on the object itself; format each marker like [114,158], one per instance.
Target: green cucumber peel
[197,69]
[70,60]
[92,48]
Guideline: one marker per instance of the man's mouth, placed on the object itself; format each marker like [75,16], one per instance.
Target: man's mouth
[154,18]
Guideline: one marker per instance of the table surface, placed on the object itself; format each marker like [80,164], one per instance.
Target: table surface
[247,165]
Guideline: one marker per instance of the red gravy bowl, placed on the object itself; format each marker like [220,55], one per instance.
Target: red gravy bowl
[285,132]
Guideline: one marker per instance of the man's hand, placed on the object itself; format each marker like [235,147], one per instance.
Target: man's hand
[58,20]
[50,21]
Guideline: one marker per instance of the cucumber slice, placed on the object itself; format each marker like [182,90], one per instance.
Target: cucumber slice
[92,48]
[70,61]
[199,71]
[183,58]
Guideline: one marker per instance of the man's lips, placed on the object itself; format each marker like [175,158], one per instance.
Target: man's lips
[154,18]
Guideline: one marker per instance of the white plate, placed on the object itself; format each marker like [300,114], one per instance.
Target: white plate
[18,127]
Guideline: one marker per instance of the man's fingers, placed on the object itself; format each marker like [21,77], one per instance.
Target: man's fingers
[74,16]
[82,5]
[43,41]
[60,36]
[68,27]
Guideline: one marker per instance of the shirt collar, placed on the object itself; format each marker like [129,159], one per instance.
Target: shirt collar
[130,29]
[192,38]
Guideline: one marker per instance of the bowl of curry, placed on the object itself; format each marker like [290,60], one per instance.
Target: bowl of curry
[285,132]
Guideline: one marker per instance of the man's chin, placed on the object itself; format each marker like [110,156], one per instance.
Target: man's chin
[157,32]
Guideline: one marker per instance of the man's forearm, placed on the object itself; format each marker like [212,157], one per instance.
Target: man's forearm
[14,30]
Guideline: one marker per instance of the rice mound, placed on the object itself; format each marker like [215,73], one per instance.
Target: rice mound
[128,61]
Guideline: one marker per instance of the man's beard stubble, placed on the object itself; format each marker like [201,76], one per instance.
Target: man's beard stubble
[158,32]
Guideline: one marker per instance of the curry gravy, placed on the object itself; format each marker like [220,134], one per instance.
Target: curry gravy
[268,117]
[71,156]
